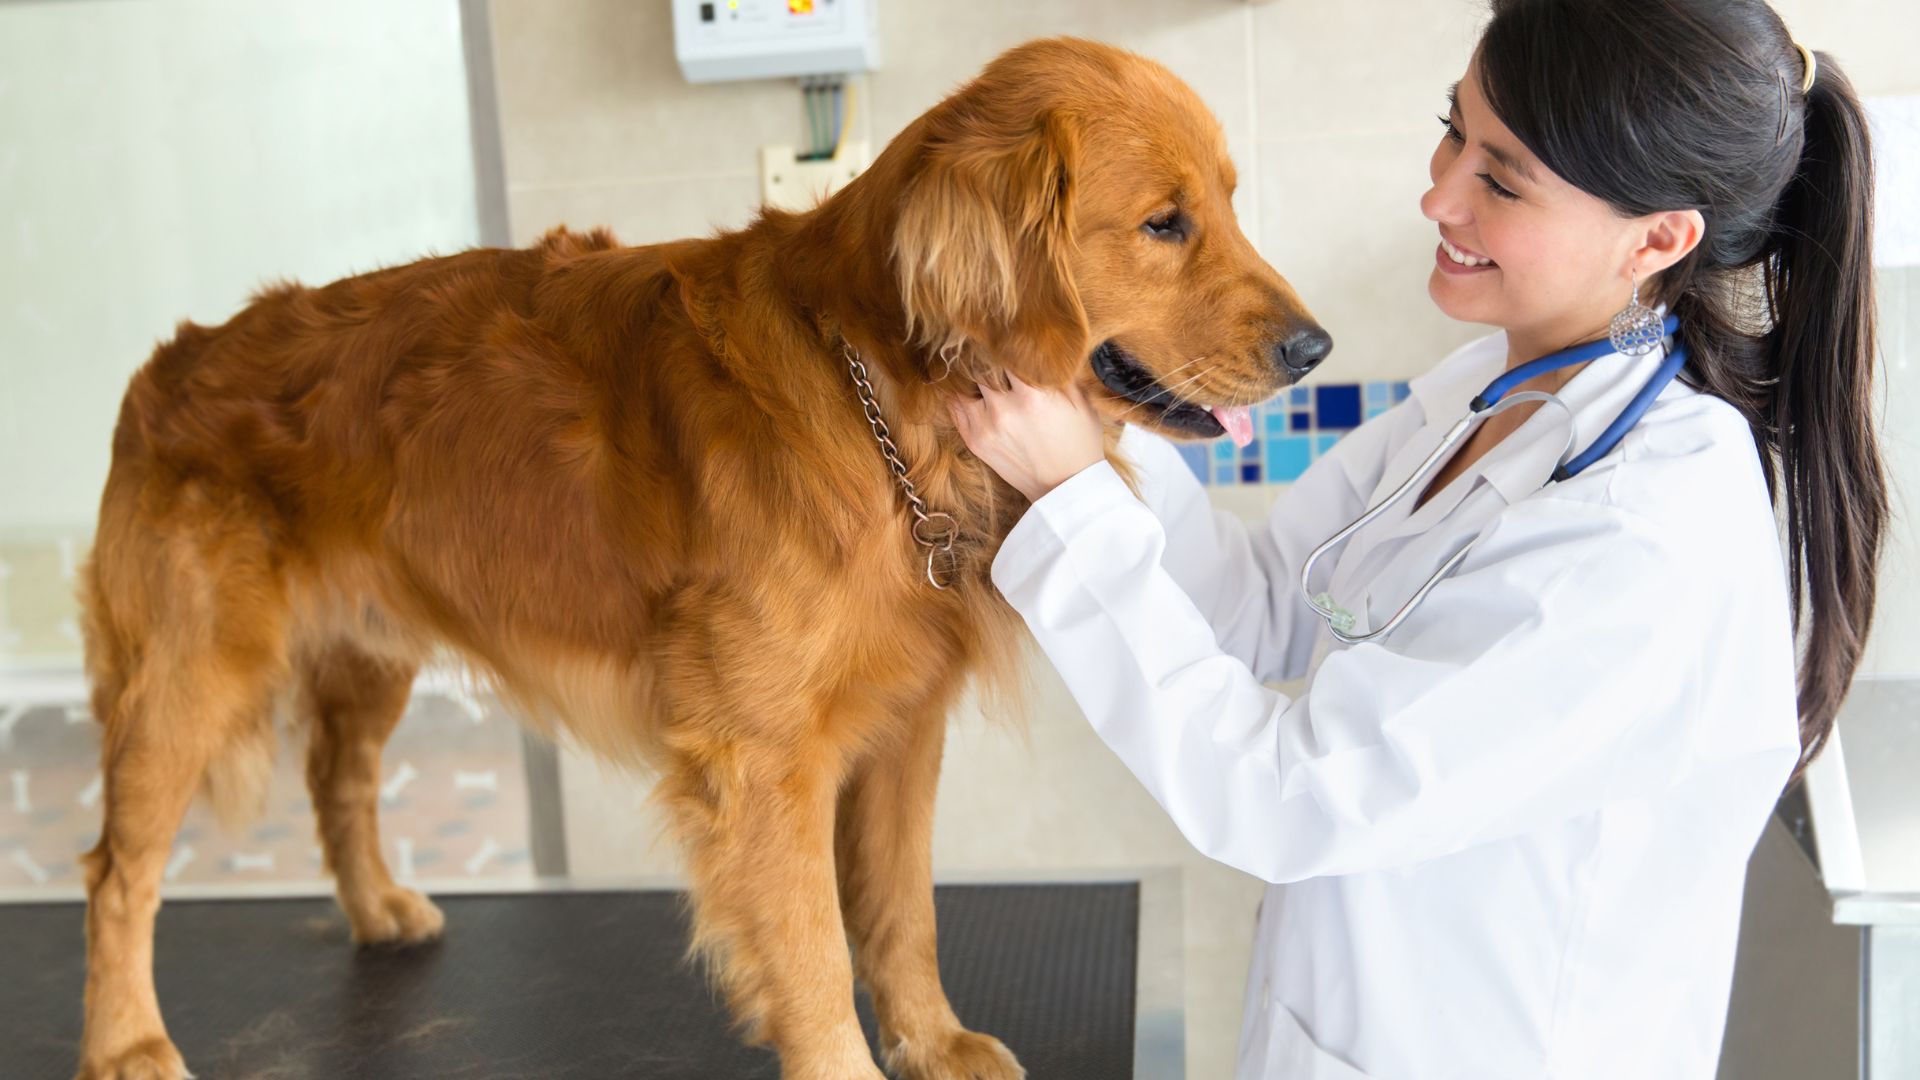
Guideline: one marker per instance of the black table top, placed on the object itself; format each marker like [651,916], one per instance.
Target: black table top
[567,985]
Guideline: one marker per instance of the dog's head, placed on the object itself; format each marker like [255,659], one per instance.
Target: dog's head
[1070,218]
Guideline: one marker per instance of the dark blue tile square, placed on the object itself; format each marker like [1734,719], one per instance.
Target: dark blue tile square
[1302,422]
[1250,473]
[1337,407]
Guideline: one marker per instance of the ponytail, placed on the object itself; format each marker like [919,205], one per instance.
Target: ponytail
[1821,349]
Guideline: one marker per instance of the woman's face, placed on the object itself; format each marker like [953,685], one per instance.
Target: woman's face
[1544,260]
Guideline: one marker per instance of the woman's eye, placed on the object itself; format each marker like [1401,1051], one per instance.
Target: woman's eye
[1494,186]
[1453,133]
[1171,225]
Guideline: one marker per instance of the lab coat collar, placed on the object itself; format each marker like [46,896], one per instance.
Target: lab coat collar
[1525,460]
[1445,390]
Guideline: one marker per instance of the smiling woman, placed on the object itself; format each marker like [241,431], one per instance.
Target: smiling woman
[1506,802]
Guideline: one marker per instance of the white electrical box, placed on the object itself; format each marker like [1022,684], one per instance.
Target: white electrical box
[719,40]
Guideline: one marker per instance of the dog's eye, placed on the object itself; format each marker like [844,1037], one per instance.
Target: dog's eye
[1171,225]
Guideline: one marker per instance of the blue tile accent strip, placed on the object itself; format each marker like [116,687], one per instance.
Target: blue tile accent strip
[1291,432]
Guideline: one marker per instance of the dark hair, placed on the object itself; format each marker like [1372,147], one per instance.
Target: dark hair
[1654,105]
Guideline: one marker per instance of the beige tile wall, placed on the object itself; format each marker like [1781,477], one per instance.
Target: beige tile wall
[1328,108]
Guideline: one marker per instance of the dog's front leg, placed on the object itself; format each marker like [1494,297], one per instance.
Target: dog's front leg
[884,848]
[757,821]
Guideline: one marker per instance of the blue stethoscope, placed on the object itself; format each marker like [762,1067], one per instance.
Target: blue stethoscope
[1494,399]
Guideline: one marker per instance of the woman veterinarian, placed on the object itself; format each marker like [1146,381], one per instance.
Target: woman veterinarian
[1507,835]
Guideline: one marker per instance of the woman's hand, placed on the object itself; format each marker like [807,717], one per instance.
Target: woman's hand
[1034,438]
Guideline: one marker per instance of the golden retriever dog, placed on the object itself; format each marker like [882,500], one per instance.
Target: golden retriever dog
[638,489]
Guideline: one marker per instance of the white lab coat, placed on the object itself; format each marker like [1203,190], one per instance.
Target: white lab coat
[1509,839]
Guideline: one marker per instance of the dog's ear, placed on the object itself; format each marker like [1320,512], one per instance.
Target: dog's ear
[983,246]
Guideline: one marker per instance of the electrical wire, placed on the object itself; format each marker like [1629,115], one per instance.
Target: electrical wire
[843,106]
[828,104]
[812,102]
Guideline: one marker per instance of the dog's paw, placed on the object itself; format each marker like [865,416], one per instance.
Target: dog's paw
[958,1055]
[149,1059]
[394,916]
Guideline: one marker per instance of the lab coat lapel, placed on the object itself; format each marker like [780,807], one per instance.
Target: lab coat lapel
[1442,395]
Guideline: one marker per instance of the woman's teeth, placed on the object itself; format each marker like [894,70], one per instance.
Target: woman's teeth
[1462,257]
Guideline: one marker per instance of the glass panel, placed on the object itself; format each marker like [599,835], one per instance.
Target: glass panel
[162,162]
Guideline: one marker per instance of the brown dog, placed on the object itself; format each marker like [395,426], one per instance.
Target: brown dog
[634,486]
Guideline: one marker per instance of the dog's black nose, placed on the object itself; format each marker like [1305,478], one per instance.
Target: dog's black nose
[1301,350]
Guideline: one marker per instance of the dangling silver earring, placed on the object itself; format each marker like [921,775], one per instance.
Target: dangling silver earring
[1638,328]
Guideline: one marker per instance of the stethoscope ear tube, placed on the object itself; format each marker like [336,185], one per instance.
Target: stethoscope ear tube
[1579,354]
[1669,367]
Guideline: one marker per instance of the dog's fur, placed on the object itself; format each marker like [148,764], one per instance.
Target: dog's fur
[634,487]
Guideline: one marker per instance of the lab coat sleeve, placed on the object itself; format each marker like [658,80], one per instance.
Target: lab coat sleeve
[1544,678]
[1245,581]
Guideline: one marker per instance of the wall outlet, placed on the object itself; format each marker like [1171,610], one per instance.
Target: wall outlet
[789,184]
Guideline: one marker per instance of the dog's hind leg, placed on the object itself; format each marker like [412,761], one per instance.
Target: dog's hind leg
[352,700]
[185,626]
[884,846]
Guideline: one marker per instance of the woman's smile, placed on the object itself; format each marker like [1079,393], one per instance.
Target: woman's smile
[1457,260]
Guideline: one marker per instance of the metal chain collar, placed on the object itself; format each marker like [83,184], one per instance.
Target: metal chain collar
[932,529]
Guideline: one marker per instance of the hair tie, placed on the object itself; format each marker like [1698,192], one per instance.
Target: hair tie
[1812,65]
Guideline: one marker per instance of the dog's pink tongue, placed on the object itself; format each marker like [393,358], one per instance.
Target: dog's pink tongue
[1238,422]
